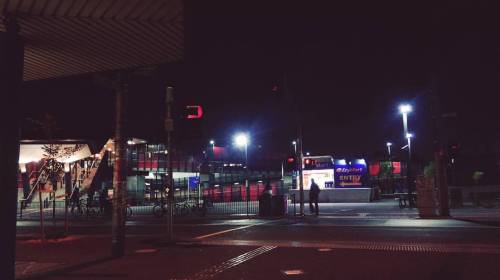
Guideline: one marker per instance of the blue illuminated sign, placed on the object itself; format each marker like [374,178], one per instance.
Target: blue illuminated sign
[193,182]
[349,175]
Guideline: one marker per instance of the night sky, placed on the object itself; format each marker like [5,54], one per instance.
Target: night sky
[342,68]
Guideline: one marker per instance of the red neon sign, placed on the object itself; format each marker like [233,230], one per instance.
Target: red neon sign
[198,114]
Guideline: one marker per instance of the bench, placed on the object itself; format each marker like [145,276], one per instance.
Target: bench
[404,202]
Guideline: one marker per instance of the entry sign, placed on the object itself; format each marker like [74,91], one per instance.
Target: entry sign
[193,182]
[349,175]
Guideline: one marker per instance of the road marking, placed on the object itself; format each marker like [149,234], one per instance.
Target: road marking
[359,245]
[227,230]
[211,272]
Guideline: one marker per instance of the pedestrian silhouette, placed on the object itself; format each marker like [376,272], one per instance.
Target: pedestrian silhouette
[313,197]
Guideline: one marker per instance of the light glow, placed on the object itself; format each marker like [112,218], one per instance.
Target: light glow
[405,108]
[241,140]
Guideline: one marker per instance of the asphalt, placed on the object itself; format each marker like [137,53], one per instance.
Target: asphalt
[331,246]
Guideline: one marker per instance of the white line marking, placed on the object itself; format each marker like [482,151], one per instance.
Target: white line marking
[227,230]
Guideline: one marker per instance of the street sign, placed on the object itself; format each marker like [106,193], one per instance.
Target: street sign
[193,182]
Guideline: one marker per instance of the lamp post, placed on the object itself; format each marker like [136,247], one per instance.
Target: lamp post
[242,140]
[389,144]
[404,109]
[409,175]
[294,143]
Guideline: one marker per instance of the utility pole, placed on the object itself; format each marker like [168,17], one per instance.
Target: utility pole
[301,180]
[169,128]
[119,182]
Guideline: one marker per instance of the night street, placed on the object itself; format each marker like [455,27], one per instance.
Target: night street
[390,247]
[188,139]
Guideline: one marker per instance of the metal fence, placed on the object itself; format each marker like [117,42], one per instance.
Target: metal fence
[233,200]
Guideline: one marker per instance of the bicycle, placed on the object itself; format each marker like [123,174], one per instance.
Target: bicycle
[80,205]
[159,210]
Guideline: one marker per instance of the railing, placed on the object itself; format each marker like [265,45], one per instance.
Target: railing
[41,175]
[237,203]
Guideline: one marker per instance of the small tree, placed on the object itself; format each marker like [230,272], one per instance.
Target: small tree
[430,170]
[54,154]
[477,176]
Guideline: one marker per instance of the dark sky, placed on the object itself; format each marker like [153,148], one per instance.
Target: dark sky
[347,67]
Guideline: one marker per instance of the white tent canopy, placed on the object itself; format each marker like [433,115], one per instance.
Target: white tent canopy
[66,152]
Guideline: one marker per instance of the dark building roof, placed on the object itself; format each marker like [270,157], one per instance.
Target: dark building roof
[70,37]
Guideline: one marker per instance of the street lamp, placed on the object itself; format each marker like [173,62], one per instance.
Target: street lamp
[308,153]
[404,109]
[212,142]
[294,143]
[408,137]
[389,144]
[242,140]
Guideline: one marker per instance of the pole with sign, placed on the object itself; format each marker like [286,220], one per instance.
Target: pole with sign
[169,128]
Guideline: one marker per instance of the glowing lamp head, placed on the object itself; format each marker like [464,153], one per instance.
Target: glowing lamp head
[241,140]
[389,144]
[212,142]
[294,142]
[409,135]
[405,108]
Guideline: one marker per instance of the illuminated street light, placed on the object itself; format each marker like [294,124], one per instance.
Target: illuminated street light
[404,109]
[241,140]
[389,144]
[212,142]
[294,143]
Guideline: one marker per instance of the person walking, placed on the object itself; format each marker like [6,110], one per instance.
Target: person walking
[313,197]
[103,197]
[75,200]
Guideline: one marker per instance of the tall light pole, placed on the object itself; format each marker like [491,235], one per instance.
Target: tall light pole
[169,128]
[404,109]
[294,143]
[242,140]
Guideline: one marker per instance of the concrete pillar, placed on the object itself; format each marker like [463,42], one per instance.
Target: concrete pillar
[11,74]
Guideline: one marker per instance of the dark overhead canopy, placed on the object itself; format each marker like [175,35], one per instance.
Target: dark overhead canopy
[70,37]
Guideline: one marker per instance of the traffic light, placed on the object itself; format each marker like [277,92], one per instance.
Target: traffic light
[193,112]
[309,163]
[190,123]
[454,150]
[290,164]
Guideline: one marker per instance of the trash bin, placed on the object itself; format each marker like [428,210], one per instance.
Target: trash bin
[265,206]
[279,205]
